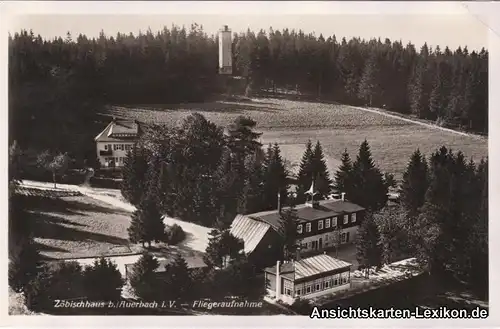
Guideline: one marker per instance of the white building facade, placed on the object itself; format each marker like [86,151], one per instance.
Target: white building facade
[115,141]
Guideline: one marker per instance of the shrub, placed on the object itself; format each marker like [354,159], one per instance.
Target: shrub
[302,306]
[174,234]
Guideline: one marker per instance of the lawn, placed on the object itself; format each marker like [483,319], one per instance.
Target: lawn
[78,226]
[337,127]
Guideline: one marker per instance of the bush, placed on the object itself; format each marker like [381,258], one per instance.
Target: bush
[302,306]
[174,234]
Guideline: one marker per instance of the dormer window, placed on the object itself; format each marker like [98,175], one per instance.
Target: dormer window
[327,222]
[353,217]
[320,225]
[346,219]
[299,228]
[308,227]
[334,221]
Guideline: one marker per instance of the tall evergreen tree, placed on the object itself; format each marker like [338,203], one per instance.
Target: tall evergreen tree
[102,280]
[134,175]
[288,231]
[368,244]
[24,261]
[143,278]
[147,223]
[368,189]
[305,174]
[275,178]
[320,172]
[415,182]
[343,176]
[178,279]
[223,247]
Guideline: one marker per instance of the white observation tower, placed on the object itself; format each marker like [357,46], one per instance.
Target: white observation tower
[225,51]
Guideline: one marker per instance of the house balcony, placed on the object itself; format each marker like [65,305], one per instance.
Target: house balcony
[105,152]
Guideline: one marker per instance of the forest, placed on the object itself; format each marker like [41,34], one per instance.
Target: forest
[57,86]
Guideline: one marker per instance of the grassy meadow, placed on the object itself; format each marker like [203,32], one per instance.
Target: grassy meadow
[292,123]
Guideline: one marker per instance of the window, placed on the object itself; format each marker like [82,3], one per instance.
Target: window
[327,222]
[308,289]
[105,147]
[343,238]
[297,292]
[317,287]
[128,147]
[346,219]
[327,284]
[335,282]
[353,217]
[288,292]
[308,227]
[115,147]
[334,222]
[320,225]
[299,228]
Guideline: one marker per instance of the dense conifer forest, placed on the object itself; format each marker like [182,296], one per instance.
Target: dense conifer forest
[56,85]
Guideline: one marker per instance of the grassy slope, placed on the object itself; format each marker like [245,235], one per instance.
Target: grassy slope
[292,123]
[79,227]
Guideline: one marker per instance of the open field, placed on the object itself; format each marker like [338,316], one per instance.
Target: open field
[292,123]
[78,227]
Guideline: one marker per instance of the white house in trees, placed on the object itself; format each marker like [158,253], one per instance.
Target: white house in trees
[113,143]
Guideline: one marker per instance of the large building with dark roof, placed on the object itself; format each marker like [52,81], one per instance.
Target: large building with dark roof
[321,225]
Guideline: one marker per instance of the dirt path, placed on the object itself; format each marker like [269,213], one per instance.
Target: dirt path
[197,235]
[428,125]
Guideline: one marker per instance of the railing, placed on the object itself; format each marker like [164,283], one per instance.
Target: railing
[105,152]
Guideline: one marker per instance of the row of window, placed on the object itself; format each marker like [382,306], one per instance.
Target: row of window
[329,222]
[320,286]
[344,238]
[121,147]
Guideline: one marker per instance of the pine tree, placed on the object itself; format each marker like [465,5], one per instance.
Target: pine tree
[342,183]
[368,86]
[369,250]
[368,189]
[102,280]
[143,278]
[415,183]
[178,279]
[134,175]
[147,223]
[288,232]
[223,247]
[320,172]
[24,261]
[275,178]
[305,174]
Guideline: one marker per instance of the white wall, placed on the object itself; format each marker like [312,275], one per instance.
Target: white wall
[225,52]
[119,154]
[329,238]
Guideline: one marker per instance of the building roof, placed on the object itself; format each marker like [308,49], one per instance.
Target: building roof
[249,230]
[118,130]
[305,213]
[310,266]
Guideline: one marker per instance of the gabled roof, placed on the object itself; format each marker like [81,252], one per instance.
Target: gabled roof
[249,230]
[310,266]
[118,130]
[305,213]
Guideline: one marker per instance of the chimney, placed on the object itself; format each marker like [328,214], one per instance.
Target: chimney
[278,280]
[279,202]
[343,196]
[226,28]
[297,254]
